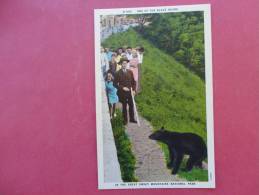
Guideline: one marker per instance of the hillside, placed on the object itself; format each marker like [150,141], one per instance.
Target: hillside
[172,96]
[180,35]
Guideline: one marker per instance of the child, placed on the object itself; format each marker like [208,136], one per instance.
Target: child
[112,94]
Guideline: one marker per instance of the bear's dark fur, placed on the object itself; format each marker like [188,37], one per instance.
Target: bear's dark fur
[180,144]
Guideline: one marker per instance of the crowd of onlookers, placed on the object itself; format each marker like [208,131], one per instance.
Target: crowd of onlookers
[121,69]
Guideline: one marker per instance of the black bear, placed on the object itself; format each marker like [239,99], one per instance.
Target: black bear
[180,144]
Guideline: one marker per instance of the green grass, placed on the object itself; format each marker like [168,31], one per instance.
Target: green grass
[195,174]
[125,156]
[171,95]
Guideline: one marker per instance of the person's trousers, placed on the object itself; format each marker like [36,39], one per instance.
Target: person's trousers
[126,99]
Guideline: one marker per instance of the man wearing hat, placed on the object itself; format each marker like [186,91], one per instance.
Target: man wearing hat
[124,81]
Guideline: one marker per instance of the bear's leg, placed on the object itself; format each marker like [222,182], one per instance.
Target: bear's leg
[199,163]
[177,161]
[191,161]
[171,157]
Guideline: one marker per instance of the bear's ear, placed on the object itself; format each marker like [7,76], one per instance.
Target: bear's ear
[162,128]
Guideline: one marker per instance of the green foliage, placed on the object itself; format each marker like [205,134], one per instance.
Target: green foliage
[180,35]
[172,96]
[126,158]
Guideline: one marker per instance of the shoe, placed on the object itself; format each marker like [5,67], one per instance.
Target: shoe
[133,121]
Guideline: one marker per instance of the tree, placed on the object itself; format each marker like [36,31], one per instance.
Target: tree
[179,34]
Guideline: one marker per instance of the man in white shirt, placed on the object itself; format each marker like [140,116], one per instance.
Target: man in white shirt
[140,52]
[129,53]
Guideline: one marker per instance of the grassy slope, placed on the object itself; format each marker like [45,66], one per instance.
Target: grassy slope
[124,151]
[171,95]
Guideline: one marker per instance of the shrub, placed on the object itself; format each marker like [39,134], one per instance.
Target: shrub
[125,156]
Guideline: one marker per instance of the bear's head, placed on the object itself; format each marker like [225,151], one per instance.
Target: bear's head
[158,135]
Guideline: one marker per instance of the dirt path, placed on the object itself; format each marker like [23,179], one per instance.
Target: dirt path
[150,165]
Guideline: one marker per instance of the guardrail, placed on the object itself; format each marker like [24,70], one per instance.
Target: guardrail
[111,164]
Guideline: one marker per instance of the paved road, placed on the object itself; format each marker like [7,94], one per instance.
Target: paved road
[151,164]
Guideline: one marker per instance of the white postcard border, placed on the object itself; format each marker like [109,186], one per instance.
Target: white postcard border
[209,97]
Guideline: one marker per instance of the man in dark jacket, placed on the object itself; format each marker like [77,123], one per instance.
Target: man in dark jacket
[124,81]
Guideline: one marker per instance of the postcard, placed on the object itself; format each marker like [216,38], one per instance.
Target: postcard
[154,97]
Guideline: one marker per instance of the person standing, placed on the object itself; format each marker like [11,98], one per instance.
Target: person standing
[119,55]
[113,65]
[125,83]
[104,62]
[129,53]
[140,52]
[108,53]
[112,95]
[134,67]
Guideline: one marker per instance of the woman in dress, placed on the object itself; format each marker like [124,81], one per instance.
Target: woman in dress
[134,67]
[119,55]
[112,94]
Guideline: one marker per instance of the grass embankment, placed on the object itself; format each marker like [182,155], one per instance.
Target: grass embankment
[125,156]
[171,95]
